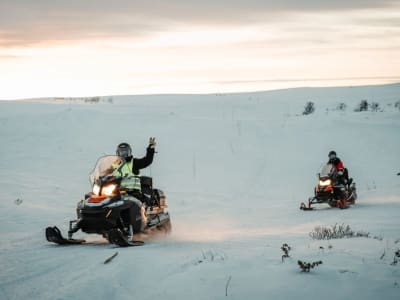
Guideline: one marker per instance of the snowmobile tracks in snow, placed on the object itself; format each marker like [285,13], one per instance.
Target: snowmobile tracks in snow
[116,237]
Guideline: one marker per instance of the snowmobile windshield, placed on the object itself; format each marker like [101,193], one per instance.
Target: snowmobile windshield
[327,170]
[104,166]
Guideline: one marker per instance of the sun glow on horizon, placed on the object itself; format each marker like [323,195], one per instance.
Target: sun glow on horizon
[210,59]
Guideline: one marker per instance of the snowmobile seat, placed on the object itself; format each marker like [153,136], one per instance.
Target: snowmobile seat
[146,184]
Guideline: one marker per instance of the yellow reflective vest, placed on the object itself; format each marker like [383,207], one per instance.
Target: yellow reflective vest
[130,181]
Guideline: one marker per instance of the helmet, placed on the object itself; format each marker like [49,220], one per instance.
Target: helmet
[124,150]
[332,154]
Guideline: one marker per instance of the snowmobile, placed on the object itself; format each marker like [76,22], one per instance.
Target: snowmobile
[329,188]
[108,210]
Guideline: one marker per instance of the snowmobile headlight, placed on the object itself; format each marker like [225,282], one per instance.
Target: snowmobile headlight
[96,189]
[325,182]
[108,189]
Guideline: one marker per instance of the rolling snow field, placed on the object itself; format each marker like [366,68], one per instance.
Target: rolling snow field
[234,167]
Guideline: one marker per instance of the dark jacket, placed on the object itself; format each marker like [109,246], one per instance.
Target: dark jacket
[337,163]
[141,163]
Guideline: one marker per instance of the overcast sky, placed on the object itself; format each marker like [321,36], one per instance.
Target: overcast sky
[97,47]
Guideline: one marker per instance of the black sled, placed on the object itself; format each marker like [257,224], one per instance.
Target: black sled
[115,213]
[331,191]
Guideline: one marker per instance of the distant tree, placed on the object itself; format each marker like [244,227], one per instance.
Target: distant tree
[285,248]
[362,106]
[374,106]
[92,100]
[342,106]
[309,108]
[397,104]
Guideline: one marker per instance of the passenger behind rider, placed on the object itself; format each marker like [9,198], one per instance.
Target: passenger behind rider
[341,171]
[342,177]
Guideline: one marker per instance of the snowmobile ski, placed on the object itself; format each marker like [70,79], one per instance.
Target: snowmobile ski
[303,206]
[53,234]
[116,237]
[114,212]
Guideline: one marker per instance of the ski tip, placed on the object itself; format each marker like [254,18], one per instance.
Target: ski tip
[53,235]
[303,206]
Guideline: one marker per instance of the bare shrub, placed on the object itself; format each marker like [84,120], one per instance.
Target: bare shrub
[335,232]
[362,106]
[397,105]
[396,257]
[375,106]
[306,266]
[285,248]
[92,100]
[341,106]
[309,108]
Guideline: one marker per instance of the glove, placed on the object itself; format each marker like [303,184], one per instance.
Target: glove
[152,142]
[340,173]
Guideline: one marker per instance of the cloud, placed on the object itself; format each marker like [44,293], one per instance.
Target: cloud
[43,21]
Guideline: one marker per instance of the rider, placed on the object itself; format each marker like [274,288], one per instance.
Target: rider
[128,168]
[342,177]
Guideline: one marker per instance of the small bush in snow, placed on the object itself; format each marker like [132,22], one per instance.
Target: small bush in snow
[397,105]
[92,100]
[375,106]
[285,248]
[335,232]
[306,266]
[309,108]
[18,201]
[396,257]
[342,106]
[362,106]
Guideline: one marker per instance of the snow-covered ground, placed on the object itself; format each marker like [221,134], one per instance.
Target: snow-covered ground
[235,168]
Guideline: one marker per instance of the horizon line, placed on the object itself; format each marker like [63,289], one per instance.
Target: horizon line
[237,92]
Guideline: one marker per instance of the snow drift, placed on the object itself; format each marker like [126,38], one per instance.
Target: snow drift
[234,168]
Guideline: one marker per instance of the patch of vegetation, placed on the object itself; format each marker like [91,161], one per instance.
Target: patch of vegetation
[396,257]
[341,106]
[397,105]
[285,248]
[307,266]
[375,107]
[362,106]
[309,108]
[335,232]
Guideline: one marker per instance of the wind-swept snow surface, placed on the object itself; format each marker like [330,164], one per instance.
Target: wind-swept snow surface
[235,168]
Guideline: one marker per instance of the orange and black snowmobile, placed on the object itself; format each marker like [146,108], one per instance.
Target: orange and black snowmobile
[332,190]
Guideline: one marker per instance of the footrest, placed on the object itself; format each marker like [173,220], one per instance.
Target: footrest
[115,236]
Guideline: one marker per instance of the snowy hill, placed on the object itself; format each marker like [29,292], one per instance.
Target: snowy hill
[235,168]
